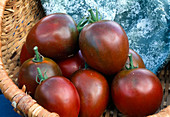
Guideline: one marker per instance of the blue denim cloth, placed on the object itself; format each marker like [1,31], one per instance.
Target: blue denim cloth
[6,110]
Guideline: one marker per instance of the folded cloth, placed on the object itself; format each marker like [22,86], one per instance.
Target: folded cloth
[6,110]
[146,23]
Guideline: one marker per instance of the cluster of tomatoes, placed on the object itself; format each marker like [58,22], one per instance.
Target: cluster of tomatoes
[74,69]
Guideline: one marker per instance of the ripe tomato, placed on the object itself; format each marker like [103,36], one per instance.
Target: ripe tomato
[137,92]
[70,65]
[58,94]
[137,60]
[93,90]
[56,35]
[24,55]
[28,72]
[104,46]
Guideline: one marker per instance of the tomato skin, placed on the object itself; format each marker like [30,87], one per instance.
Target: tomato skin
[104,46]
[93,90]
[56,35]
[137,60]
[137,92]
[24,55]
[70,65]
[58,94]
[28,73]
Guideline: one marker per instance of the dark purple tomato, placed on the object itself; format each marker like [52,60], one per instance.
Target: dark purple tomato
[69,65]
[93,90]
[104,46]
[137,92]
[137,60]
[58,94]
[28,73]
[56,35]
[24,55]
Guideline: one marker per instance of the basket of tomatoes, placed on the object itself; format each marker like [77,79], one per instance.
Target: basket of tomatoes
[53,67]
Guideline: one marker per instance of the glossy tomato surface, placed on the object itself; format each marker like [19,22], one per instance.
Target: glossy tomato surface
[93,90]
[24,55]
[137,60]
[28,73]
[56,35]
[58,94]
[69,65]
[137,92]
[104,46]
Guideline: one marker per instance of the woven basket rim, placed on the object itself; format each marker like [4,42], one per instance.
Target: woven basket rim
[20,94]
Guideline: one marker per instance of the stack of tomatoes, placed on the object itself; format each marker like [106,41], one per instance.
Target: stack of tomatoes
[74,69]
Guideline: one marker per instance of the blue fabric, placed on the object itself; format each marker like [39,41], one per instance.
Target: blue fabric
[6,110]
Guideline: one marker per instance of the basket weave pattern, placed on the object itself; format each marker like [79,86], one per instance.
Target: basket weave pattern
[17,17]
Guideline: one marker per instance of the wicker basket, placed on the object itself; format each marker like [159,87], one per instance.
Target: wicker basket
[16,19]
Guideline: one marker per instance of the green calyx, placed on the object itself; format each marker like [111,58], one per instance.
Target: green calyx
[131,66]
[82,23]
[86,65]
[89,19]
[94,18]
[40,77]
[38,57]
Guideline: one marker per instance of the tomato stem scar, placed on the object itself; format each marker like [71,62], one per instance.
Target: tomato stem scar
[40,76]
[38,57]
[131,66]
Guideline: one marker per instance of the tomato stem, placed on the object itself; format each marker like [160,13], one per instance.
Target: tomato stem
[82,23]
[36,53]
[86,65]
[87,20]
[97,15]
[131,66]
[38,57]
[94,18]
[40,76]
[92,15]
